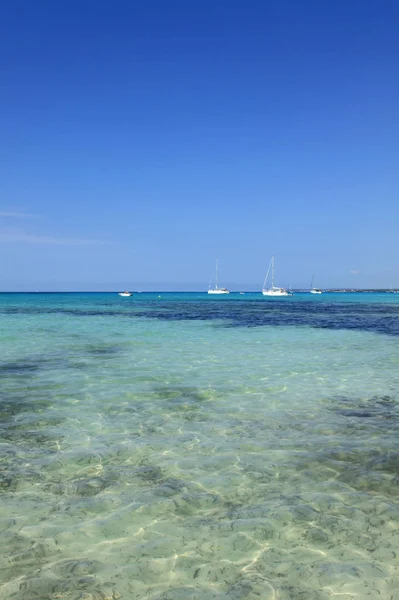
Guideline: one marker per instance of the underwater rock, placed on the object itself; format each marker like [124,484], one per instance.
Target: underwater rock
[77,567]
[149,473]
[191,503]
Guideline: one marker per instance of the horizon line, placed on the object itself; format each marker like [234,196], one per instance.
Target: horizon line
[182,291]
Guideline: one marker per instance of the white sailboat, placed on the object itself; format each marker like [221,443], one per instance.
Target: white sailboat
[216,289]
[314,290]
[273,290]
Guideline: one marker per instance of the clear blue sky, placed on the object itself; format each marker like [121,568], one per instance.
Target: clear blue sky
[141,140]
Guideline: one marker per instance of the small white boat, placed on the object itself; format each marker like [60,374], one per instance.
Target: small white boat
[216,289]
[125,294]
[273,290]
[314,290]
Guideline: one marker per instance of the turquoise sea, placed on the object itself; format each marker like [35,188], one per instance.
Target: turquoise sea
[180,447]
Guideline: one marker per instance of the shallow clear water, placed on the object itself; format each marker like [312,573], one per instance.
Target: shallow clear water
[186,447]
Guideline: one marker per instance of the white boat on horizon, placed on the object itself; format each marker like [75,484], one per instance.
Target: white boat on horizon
[273,290]
[314,290]
[216,289]
[125,294]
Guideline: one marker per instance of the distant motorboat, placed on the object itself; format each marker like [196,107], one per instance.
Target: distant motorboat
[273,290]
[216,289]
[125,294]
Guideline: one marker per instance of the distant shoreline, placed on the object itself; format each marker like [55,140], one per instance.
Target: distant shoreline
[201,291]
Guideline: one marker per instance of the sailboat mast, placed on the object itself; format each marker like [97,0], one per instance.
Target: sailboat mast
[272,272]
[216,276]
[267,276]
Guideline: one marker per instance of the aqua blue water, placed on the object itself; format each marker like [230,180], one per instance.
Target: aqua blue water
[181,446]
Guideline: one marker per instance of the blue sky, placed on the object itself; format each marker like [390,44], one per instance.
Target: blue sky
[141,140]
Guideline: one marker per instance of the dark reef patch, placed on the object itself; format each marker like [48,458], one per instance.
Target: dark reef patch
[378,318]
[376,407]
[22,367]
[82,486]
[180,394]
[103,350]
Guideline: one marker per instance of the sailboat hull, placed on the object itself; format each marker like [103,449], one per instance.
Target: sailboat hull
[276,293]
[218,292]
[273,291]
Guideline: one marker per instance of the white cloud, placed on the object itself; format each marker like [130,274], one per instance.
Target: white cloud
[354,272]
[12,237]
[16,215]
